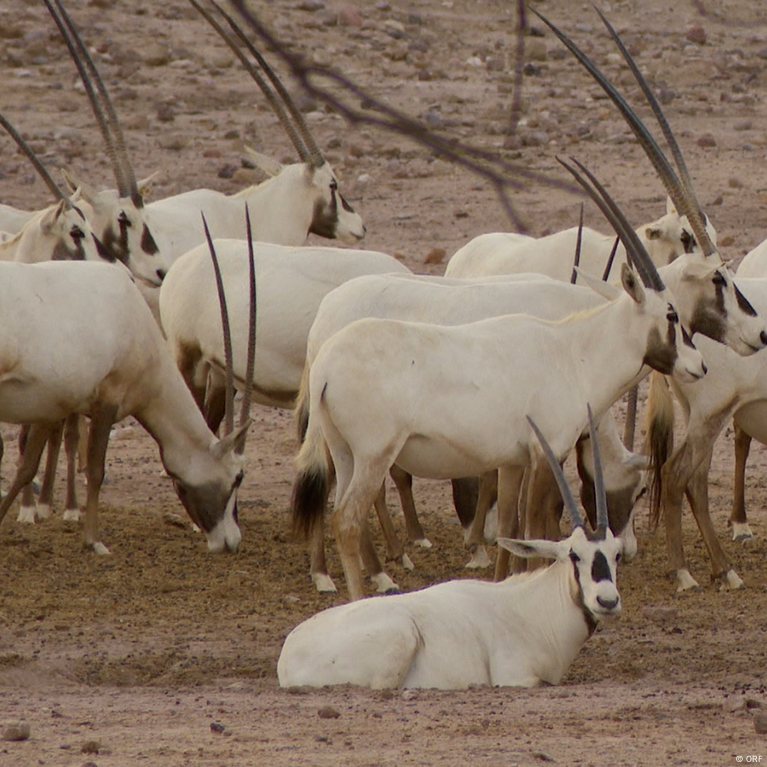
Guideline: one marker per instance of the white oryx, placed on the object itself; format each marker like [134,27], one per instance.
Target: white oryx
[523,631]
[291,283]
[118,219]
[436,400]
[443,301]
[96,349]
[737,389]
[511,253]
[297,200]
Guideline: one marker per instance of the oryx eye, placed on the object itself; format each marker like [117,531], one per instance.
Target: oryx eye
[672,316]
[719,278]
[76,233]
[574,557]
[238,479]
[618,557]
[123,219]
[688,241]
[334,185]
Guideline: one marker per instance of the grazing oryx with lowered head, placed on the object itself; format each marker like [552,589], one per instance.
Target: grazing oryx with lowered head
[292,282]
[96,349]
[522,632]
[442,301]
[299,199]
[445,402]
[119,220]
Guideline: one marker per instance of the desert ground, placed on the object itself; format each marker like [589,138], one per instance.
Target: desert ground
[162,654]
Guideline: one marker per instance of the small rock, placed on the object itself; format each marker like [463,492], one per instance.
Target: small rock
[535,49]
[16,732]
[90,747]
[435,256]
[742,125]
[328,712]
[409,694]
[727,241]
[696,34]
[217,727]
[349,16]
[706,140]
[165,113]
[155,54]
[311,5]
[735,183]
[734,704]
[174,142]
[660,614]
[760,720]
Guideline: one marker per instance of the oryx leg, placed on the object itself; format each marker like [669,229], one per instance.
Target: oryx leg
[318,564]
[102,418]
[629,428]
[738,520]
[45,501]
[395,550]
[697,495]
[676,475]
[35,440]
[510,481]
[542,508]
[72,444]
[466,498]
[404,484]
[475,536]
[28,505]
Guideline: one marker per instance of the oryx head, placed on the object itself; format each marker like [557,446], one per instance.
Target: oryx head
[592,554]
[714,306]
[668,346]
[333,216]
[119,219]
[212,503]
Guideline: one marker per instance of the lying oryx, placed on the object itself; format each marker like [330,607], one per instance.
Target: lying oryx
[446,402]
[96,349]
[292,281]
[736,388]
[511,253]
[523,631]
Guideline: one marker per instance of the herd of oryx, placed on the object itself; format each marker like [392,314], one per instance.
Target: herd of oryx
[489,376]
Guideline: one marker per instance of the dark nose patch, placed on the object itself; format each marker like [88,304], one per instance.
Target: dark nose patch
[148,245]
[600,570]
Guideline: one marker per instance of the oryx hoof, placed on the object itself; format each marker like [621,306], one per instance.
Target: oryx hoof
[423,543]
[685,581]
[384,584]
[71,515]
[27,515]
[730,581]
[479,559]
[324,583]
[741,531]
[99,548]
[406,562]
[44,511]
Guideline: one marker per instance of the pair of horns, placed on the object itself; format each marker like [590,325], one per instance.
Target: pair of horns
[228,356]
[296,128]
[576,516]
[35,160]
[100,102]
[681,192]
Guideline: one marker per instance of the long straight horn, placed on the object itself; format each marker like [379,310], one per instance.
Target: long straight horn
[665,172]
[276,105]
[600,493]
[251,363]
[101,104]
[576,517]
[635,250]
[228,365]
[668,134]
[35,160]
[610,259]
[315,154]
[578,243]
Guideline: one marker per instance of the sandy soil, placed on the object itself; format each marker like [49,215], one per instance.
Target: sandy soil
[164,655]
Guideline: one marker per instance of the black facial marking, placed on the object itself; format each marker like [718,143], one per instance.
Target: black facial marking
[743,303]
[325,218]
[688,241]
[660,355]
[591,623]
[148,244]
[600,569]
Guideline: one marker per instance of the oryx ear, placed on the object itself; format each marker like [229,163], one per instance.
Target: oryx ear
[631,284]
[87,192]
[698,270]
[670,207]
[604,289]
[653,232]
[230,441]
[145,184]
[268,165]
[535,548]
[51,216]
